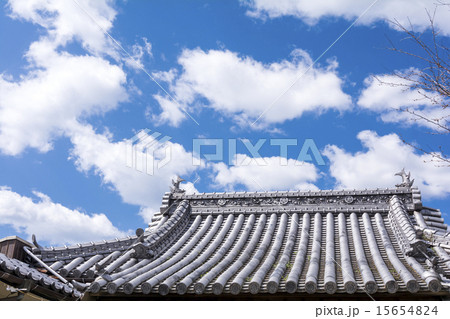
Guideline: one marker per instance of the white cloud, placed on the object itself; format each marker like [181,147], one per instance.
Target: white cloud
[65,21]
[61,91]
[108,159]
[312,11]
[44,103]
[138,52]
[384,156]
[390,96]
[59,88]
[244,88]
[52,222]
[264,174]
[171,112]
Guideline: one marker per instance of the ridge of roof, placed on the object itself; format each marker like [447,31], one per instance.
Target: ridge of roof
[397,190]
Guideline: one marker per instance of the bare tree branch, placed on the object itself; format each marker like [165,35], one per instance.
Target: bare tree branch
[430,79]
[433,80]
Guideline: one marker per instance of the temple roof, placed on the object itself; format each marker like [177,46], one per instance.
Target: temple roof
[243,244]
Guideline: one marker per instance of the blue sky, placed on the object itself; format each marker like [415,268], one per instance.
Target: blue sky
[70,98]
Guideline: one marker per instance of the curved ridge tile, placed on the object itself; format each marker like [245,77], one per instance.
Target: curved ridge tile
[189,257]
[181,289]
[86,250]
[148,271]
[314,264]
[370,284]
[147,264]
[128,272]
[179,212]
[429,276]
[77,272]
[119,261]
[57,265]
[411,283]
[130,263]
[91,272]
[294,275]
[67,268]
[275,277]
[404,229]
[330,261]
[143,279]
[389,282]
[200,286]
[346,264]
[235,266]
[258,277]
[161,222]
[420,220]
[200,271]
[163,236]
[443,255]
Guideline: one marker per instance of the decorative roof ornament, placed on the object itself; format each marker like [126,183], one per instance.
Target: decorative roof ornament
[176,185]
[406,181]
[35,243]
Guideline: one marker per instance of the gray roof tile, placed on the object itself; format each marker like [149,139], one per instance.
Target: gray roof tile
[338,242]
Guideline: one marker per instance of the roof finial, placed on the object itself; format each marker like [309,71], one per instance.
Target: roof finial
[35,243]
[176,185]
[406,182]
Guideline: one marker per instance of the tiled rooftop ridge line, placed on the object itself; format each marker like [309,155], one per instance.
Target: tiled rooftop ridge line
[404,229]
[161,216]
[167,232]
[85,250]
[165,204]
[153,244]
[296,201]
[158,238]
[291,194]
